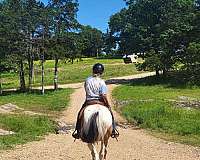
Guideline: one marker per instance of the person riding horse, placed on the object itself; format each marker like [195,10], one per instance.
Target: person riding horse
[96,93]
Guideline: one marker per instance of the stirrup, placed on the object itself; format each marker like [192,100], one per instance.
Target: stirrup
[115,133]
[76,134]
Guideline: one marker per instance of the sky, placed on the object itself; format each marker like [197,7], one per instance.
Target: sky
[97,12]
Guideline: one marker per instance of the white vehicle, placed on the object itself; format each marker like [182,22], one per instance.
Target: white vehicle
[130,58]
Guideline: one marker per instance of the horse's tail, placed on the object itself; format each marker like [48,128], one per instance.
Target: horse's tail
[91,134]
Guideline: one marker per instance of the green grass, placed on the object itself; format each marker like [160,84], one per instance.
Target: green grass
[85,61]
[163,117]
[26,128]
[72,73]
[156,92]
[51,101]
[150,105]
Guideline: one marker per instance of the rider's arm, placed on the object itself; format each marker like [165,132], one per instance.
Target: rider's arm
[103,94]
[105,100]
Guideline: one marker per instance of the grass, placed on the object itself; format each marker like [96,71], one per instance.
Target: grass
[26,127]
[151,105]
[51,101]
[71,73]
[156,92]
[85,61]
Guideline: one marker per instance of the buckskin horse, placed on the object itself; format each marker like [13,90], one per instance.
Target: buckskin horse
[96,126]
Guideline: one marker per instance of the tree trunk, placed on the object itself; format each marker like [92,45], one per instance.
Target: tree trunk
[56,73]
[72,60]
[30,63]
[157,73]
[143,55]
[164,72]
[21,76]
[1,88]
[97,53]
[42,83]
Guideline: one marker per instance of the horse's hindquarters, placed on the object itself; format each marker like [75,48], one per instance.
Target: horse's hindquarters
[97,123]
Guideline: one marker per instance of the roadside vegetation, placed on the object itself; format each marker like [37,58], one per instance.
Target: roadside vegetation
[44,44]
[27,128]
[52,101]
[34,116]
[70,73]
[169,109]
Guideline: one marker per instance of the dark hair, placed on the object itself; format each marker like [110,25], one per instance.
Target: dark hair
[98,68]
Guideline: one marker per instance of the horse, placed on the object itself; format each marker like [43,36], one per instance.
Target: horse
[96,126]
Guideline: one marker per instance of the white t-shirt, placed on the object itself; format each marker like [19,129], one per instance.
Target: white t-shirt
[94,87]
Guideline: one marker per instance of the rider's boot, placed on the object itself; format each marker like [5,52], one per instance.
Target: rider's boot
[76,133]
[115,133]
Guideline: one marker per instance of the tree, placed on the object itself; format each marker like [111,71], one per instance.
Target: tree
[192,59]
[44,33]
[92,39]
[63,21]
[156,25]
[32,15]
[29,26]
[75,45]
[109,43]
[3,44]
[17,39]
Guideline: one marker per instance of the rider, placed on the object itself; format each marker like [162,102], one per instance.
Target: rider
[96,93]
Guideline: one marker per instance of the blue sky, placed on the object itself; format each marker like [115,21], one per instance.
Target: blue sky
[97,12]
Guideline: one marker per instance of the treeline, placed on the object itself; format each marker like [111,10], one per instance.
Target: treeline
[164,32]
[31,30]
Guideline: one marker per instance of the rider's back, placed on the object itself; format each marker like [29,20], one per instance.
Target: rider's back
[94,87]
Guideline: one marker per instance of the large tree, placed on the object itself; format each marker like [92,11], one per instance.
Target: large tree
[17,37]
[64,20]
[157,25]
[93,41]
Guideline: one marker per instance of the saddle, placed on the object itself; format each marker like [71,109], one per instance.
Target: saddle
[88,103]
[92,102]
[80,117]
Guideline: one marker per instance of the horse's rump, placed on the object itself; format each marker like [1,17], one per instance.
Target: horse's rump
[97,122]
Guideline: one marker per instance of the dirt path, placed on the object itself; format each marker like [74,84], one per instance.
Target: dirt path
[133,144]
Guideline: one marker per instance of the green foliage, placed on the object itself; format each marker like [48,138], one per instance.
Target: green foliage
[155,105]
[154,91]
[151,63]
[51,101]
[166,27]
[164,118]
[72,73]
[191,62]
[92,39]
[109,44]
[29,30]
[26,128]
[193,55]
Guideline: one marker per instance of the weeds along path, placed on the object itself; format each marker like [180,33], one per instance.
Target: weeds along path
[133,144]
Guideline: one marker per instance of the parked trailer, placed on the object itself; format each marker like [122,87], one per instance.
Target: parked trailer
[130,58]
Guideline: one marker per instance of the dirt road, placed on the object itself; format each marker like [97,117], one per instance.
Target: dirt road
[133,144]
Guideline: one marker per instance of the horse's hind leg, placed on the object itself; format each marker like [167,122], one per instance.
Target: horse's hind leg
[102,151]
[106,144]
[93,150]
[106,137]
